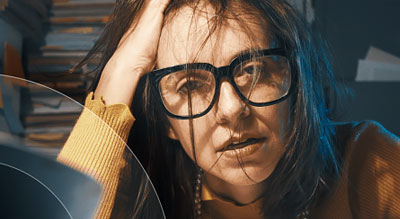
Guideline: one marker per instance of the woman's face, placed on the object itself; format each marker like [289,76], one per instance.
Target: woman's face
[261,129]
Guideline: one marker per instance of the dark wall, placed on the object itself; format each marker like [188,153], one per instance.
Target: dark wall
[351,26]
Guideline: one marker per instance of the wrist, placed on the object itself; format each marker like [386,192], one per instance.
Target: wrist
[118,87]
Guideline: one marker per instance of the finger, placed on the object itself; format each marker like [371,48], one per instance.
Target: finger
[158,5]
[152,10]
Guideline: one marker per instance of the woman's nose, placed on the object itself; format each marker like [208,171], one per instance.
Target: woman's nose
[230,106]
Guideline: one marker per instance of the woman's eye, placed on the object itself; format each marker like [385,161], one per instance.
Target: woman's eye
[248,73]
[192,86]
[252,69]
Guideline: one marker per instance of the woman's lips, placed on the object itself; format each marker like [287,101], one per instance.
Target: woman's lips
[243,148]
[242,144]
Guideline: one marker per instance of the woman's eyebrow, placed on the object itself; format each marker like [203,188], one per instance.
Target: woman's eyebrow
[233,57]
[244,52]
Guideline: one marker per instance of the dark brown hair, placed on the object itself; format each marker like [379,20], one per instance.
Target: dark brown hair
[310,164]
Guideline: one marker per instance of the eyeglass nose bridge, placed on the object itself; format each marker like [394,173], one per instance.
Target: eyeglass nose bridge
[227,72]
[223,72]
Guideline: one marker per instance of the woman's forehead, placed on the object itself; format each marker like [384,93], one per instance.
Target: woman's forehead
[188,37]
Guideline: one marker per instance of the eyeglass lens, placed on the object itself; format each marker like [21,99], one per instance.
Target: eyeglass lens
[261,80]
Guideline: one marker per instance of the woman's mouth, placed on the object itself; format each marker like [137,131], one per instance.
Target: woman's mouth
[242,144]
[243,148]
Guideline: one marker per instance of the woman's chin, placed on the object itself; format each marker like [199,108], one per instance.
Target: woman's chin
[241,177]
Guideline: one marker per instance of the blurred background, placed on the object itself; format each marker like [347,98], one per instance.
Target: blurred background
[41,39]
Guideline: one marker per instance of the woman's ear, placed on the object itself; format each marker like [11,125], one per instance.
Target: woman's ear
[171,133]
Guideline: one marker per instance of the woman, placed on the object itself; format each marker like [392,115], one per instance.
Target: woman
[235,120]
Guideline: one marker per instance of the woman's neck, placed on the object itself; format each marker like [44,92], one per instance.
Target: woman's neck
[240,194]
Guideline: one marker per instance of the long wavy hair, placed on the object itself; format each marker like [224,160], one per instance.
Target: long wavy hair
[311,162]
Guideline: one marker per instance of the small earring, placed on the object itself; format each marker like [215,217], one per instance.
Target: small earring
[243,106]
[245,110]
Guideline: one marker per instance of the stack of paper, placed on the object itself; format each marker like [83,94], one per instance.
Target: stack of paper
[378,66]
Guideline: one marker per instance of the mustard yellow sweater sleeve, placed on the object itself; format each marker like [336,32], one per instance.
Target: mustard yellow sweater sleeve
[96,145]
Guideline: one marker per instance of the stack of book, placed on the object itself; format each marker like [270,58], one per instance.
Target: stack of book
[72,28]
[48,118]
[57,35]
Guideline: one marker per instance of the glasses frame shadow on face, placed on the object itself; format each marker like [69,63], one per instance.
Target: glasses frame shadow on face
[219,74]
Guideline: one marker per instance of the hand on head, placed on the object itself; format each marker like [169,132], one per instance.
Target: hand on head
[134,56]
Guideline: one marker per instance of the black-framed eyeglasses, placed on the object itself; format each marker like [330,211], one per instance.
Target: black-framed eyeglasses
[260,78]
